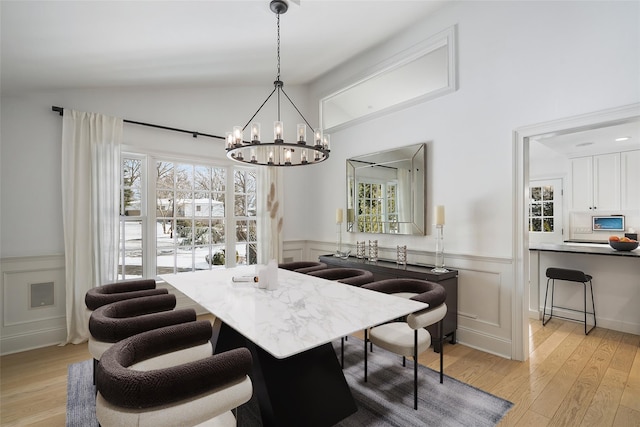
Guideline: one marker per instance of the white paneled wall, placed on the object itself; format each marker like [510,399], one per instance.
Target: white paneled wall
[23,326]
[25,323]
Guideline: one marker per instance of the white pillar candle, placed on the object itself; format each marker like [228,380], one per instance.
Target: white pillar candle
[439,215]
[339,216]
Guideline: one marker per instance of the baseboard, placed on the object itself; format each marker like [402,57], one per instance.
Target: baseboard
[484,342]
[606,323]
[32,340]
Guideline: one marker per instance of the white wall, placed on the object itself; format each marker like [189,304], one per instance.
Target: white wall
[31,222]
[520,63]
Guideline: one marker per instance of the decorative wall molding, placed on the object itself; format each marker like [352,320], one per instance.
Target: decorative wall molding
[23,327]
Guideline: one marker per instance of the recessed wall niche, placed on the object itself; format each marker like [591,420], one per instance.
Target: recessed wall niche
[425,71]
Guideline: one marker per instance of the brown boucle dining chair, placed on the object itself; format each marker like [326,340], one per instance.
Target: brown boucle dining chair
[349,276]
[118,291]
[122,319]
[302,266]
[139,382]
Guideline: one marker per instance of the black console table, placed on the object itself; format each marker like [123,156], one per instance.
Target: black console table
[390,270]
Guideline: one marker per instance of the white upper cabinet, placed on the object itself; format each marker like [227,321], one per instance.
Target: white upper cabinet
[596,182]
[630,173]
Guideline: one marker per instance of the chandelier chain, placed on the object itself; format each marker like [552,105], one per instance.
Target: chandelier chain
[278,51]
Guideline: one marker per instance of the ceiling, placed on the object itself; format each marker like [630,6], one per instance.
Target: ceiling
[597,140]
[53,45]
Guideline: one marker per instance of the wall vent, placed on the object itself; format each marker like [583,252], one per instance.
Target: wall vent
[42,294]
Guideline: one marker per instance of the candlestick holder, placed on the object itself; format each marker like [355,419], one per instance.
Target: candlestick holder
[401,259]
[338,239]
[373,251]
[340,253]
[439,265]
[361,249]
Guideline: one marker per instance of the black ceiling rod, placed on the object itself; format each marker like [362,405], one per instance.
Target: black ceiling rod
[192,133]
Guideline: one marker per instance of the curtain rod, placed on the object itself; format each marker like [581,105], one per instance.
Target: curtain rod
[193,133]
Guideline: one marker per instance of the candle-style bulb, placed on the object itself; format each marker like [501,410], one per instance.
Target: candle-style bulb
[439,215]
[255,132]
[278,131]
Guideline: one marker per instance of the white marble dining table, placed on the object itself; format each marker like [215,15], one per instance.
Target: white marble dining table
[302,313]
[289,330]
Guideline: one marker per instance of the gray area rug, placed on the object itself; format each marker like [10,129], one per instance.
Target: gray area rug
[385,400]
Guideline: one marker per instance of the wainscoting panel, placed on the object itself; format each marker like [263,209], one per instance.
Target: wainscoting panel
[485,287]
[32,320]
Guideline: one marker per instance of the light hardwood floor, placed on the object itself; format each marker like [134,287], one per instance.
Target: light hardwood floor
[569,379]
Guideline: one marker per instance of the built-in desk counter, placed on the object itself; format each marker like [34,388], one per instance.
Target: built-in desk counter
[583,248]
[616,281]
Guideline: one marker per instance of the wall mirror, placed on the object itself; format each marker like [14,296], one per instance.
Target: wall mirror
[386,191]
[425,71]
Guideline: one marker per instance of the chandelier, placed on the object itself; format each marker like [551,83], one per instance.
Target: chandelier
[277,153]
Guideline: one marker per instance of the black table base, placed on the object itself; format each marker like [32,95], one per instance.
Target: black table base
[307,389]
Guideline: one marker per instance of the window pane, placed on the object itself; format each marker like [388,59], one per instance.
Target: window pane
[184,232]
[252,227]
[548,225]
[240,205]
[202,178]
[131,191]
[201,257]
[202,233]
[130,262]
[218,179]
[184,176]
[536,224]
[218,257]
[536,194]
[164,175]
[241,231]
[547,193]
[165,261]
[536,209]
[217,231]
[547,208]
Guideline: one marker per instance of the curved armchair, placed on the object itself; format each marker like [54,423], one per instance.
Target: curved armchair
[139,382]
[303,266]
[409,338]
[118,291]
[119,320]
[349,276]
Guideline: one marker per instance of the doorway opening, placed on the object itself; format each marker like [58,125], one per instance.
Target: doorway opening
[522,137]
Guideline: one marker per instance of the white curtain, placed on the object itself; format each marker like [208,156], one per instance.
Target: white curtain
[270,218]
[90,209]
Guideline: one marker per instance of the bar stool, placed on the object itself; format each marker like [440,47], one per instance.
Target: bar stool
[568,275]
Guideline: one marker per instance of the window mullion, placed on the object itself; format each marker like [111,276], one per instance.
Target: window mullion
[151,218]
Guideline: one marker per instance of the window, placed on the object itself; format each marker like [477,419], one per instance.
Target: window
[184,225]
[541,210]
